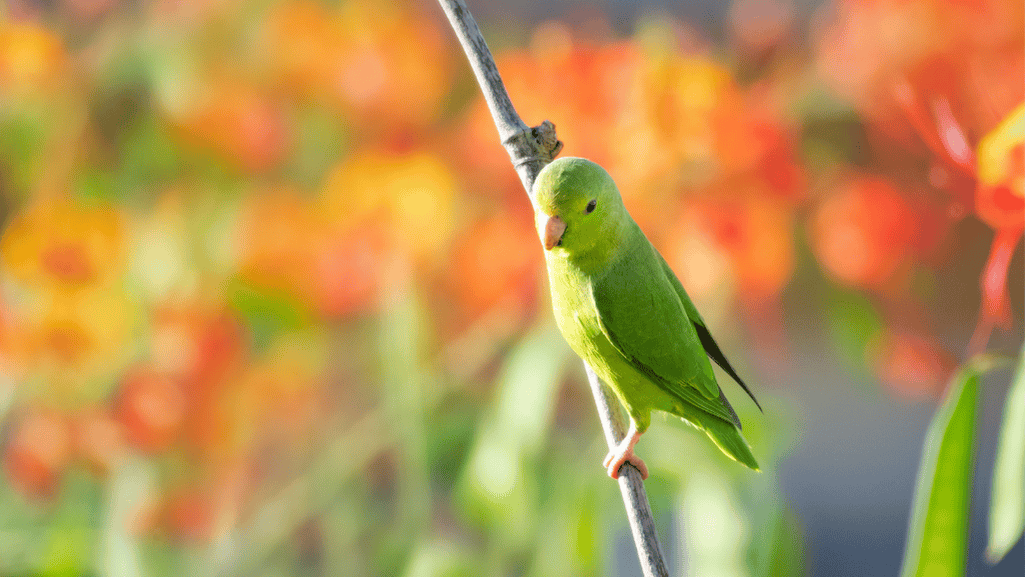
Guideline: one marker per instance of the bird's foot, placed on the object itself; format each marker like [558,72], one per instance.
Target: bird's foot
[617,458]
[624,453]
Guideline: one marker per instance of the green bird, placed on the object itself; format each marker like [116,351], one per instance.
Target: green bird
[622,309]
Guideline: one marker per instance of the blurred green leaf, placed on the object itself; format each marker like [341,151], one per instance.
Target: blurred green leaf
[128,491]
[340,527]
[497,485]
[786,546]
[320,141]
[403,338]
[573,529]
[441,559]
[1007,504]
[716,531]
[853,321]
[778,549]
[23,135]
[937,542]
[266,312]
[833,134]
[71,543]
[150,157]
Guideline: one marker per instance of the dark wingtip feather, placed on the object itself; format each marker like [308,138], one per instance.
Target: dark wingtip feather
[735,419]
[713,351]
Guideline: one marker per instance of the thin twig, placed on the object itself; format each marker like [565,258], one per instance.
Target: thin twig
[530,149]
[642,524]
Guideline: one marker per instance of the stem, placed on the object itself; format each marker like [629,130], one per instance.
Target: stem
[996,301]
[530,149]
[638,511]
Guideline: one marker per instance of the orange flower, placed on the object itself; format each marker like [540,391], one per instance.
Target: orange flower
[279,234]
[61,243]
[1000,196]
[152,409]
[38,452]
[915,366]
[996,299]
[235,121]
[99,439]
[752,231]
[196,342]
[278,397]
[76,342]
[189,515]
[345,273]
[940,82]
[74,319]
[410,197]
[690,124]
[496,258]
[202,349]
[30,56]
[1000,203]
[582,87]
[686,111]
[862,233]
[383,65]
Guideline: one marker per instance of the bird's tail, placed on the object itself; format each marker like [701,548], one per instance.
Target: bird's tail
[726,436]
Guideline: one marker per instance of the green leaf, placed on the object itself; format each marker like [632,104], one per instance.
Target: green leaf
[853,322]
[71,539]
[498,487]
[128,490]
[403,340]
[716,536]
[267,312]
[1007,504]
[937,544]
[778,549]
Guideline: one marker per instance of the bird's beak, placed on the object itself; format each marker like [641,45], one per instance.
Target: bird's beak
[554,229]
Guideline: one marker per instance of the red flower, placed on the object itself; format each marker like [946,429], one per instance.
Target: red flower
[152,409]
[38,452]
[863,232]
[914,365]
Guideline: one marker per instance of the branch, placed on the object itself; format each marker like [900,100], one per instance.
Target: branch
[530,149]
[642,525]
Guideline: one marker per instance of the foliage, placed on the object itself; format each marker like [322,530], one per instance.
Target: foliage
[937,542]
[1007,504]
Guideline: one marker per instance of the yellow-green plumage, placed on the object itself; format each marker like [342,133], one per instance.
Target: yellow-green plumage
[622,309]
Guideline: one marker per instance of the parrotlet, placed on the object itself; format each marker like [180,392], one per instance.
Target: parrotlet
[623,310]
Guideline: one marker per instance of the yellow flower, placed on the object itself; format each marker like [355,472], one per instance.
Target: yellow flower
[77,341]
[30,56]
[62,244]
[64,260]
[413,194]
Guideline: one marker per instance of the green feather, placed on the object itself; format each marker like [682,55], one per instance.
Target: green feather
[622,309]
[707,341]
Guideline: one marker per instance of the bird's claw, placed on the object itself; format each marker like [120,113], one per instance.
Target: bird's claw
[620,455]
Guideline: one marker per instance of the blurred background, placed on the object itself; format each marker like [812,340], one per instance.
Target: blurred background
[272,302]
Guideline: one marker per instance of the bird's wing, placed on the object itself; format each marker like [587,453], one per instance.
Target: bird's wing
[709,344]
[643,318]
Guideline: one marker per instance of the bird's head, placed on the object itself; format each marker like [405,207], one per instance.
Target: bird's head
[577,206]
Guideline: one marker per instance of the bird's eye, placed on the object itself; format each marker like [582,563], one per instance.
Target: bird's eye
[590,206]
